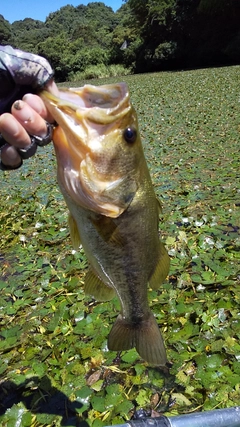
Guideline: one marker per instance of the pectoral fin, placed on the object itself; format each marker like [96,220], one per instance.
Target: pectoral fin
[108,230]
[94,286]
[74,233]
[162,268]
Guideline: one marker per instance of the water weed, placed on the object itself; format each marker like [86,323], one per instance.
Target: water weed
[55,367]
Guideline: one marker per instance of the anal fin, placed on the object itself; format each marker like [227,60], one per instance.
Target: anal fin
[145,336]
[95,287]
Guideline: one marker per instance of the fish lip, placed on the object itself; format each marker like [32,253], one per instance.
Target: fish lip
[98,104]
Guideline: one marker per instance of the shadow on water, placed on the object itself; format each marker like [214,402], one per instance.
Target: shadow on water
[40,397]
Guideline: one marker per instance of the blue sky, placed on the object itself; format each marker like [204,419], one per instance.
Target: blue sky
[15,10]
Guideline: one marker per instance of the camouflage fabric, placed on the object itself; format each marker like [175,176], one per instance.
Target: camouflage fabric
[20,72]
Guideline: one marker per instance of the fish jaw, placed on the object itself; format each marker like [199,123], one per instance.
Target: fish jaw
[89,119]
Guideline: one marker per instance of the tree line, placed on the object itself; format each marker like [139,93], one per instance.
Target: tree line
[142,36]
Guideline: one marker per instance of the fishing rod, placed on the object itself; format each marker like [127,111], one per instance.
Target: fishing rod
[229,417]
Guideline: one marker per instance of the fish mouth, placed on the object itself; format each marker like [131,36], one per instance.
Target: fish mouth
[98,104]
[85,115]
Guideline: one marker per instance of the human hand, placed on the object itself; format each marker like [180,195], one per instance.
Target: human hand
[24,121]
[29,119]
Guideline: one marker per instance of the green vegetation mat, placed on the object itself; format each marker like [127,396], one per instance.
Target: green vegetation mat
[55,369]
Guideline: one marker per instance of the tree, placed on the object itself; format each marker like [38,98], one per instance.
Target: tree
[5,30]
[125,38]
[146,35]
[155,21]
[27,34]
[56,50]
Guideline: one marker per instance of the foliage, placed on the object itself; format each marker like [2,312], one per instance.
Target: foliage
[55,367]
[56,50]
[100,71]
[197,33]
[156,35]
[5,30]
[233,48]
[216,7]
[27,34]
[125,33]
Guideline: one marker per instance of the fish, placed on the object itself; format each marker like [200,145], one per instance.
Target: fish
[114,213]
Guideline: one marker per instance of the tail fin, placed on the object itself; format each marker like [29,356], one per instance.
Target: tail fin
[145,336]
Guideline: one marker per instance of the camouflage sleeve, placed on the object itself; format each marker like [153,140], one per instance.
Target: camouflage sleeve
[25,68]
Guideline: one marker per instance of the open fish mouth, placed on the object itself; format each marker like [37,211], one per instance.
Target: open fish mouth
[85,113]
[98,104]
[90,118]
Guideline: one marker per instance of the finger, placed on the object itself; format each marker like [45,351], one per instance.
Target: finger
[32,122]
[52,87]
[10,157]
[37,104]
[13,132]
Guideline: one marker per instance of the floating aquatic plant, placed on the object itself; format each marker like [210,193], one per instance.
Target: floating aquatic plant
[55,367]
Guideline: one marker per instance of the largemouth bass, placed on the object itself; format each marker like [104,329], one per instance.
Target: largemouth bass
[114,213]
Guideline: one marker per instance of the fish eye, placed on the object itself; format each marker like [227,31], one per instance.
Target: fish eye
[130,135]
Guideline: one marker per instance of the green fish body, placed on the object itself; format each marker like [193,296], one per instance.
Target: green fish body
[114,213]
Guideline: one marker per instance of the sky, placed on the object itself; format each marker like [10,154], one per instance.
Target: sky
[16,10]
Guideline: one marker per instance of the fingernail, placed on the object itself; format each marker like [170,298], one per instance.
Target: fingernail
[28,96]
[34,102]
[18,105]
